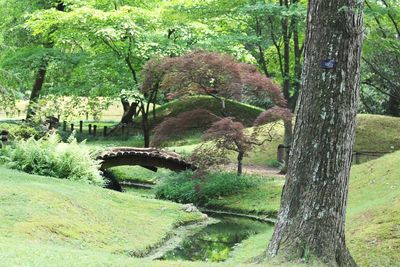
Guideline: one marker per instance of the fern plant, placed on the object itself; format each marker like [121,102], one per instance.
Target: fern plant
[50,156]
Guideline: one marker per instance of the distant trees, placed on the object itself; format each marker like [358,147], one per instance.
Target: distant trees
[381,57]
[25,58]
[269,33]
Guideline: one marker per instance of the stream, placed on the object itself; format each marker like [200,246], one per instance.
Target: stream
[215,242]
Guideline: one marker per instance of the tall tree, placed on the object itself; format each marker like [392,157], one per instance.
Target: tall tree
[311,220]
[42,68]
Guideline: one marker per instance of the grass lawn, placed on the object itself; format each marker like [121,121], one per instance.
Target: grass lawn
[373,218]
[264,199]
[52,222]
[47,216]
[138,174]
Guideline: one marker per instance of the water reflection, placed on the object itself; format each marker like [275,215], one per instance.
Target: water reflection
[215,242]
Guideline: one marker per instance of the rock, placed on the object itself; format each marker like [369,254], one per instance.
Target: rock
[190,208]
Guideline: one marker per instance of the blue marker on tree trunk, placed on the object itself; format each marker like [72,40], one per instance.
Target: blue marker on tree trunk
[328,64]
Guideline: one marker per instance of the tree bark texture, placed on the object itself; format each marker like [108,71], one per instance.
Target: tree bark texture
[311,220]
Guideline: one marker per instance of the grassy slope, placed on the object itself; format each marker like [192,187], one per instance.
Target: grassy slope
[373,218]
[374,133]
[54,215]
[377,133]
[264,199]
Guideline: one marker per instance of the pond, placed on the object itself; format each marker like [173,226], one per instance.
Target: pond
[215,242]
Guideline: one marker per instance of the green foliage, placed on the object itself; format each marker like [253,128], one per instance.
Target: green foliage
[51,157]
[185,187]
[19,130]
[380,92]
[68,108]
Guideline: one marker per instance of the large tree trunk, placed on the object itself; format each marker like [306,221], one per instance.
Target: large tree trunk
[311,220]
[37,87]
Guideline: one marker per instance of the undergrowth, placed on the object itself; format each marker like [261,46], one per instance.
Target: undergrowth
[185,187]
[50,156]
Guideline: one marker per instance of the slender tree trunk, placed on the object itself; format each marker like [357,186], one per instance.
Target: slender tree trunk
[297,51]
[286,62]
[288,140]
[146,129]
[286,78]
[311,220]
[240,163]
[37,87]
[262,61]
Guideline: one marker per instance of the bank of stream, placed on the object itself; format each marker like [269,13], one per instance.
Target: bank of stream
[214,242]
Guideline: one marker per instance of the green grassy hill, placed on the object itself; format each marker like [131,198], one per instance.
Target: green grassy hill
[374,133]
[373,218]
[377,133]
[242,112]
[46,220]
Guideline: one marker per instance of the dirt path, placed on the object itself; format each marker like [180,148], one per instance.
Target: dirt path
[256,170]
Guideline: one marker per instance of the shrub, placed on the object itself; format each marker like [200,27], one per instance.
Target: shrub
[50,157]
[19,130]
[184,187]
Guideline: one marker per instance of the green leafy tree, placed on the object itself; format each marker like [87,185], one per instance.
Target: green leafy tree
[381,57]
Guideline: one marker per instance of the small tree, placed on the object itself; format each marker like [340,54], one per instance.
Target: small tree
[225,134]
[230,135]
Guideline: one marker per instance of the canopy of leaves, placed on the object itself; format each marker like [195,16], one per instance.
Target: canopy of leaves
[208,73]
